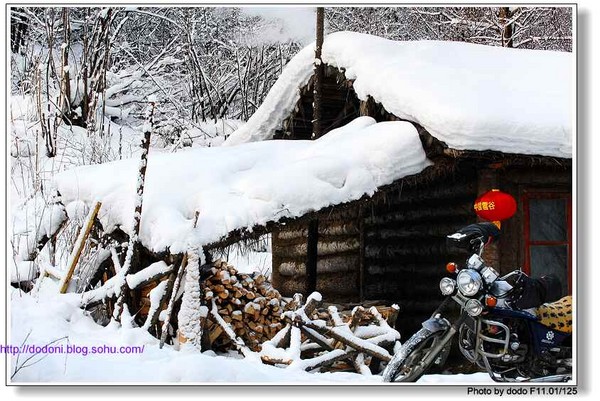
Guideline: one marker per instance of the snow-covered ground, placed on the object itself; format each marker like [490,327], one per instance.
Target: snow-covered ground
[52,321]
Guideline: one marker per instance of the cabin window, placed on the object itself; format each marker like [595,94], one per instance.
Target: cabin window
[548,236]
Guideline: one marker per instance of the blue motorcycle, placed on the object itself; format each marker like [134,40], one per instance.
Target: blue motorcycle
[507,325]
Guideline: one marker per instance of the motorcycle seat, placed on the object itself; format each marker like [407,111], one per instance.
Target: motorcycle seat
[557,315]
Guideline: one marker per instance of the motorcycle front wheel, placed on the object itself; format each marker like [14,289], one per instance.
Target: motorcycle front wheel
[407,365]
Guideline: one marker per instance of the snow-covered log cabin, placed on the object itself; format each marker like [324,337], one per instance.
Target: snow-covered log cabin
[415,131]
[486,117]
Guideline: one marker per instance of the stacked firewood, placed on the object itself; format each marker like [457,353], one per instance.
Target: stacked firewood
[249,315]
[248,303]
[325,339]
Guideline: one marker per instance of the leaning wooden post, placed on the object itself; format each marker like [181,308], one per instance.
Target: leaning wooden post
[78,247]
[137,215]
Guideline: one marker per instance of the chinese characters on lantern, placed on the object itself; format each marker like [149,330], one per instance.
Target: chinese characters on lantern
[485,206]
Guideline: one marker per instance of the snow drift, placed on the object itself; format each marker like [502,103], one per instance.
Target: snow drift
[469,96]
[241,186]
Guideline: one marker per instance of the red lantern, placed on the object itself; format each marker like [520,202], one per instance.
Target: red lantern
[495,205]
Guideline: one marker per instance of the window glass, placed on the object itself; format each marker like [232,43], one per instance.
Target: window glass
[548,220]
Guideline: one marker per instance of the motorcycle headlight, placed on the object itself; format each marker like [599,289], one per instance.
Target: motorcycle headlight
[469,282]
[475,262]
[447,286]
[473,307]
[489,274]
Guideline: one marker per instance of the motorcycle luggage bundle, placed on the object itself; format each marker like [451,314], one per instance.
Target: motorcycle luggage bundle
[533,292]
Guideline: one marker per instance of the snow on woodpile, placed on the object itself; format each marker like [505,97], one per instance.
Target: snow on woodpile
[469,96]
[241,186]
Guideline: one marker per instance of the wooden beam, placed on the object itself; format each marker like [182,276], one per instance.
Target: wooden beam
[79,248]
[352,341]
[328,359]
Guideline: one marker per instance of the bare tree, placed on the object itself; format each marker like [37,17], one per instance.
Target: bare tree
[19,24]
[543,28]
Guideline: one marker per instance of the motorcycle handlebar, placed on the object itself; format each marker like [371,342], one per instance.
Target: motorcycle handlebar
[473,237]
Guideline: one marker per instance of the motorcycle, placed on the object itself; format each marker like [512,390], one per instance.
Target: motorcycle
[503,324]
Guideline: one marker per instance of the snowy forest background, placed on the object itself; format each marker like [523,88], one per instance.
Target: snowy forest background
[81,80]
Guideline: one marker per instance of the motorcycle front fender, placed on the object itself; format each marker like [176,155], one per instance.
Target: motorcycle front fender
[435,324]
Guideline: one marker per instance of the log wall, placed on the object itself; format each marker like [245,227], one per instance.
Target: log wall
[393,251]
[405,243]
[338,256]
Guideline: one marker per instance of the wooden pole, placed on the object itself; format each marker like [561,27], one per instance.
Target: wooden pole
[137,215]
[311,256]
[319,69]
[131,256]
[79,244]
[313,227]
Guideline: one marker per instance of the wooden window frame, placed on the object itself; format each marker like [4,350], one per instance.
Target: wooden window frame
[541,194]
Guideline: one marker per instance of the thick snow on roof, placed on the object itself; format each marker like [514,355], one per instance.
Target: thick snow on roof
[240,186]
[469,96]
